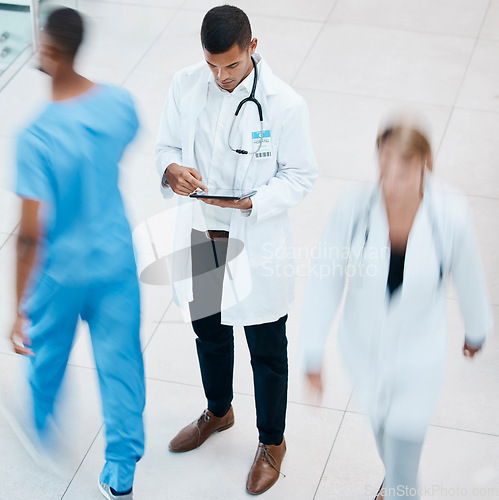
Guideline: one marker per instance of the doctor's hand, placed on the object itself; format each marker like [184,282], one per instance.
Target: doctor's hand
[469,351]
[19,339]
[183,180]
[244,204]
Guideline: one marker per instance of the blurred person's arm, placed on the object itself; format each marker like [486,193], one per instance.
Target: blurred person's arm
[175,178]
[324,291]
[469,282]
[26,249]
[33,186]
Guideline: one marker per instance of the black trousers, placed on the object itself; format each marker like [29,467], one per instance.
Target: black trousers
[267,344]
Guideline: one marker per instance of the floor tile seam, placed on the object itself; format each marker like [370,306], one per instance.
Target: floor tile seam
[485,19]
[461,84]
[301,88]
[151,45]
[247,394]
[158,323]
[117,2]
[478,110]
[332,447]
[9,236]
[81,462]
[403,30]
[314,42]
[272,17]
[438,426]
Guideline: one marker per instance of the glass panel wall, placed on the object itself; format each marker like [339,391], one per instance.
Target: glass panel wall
[16,37]
[19,22]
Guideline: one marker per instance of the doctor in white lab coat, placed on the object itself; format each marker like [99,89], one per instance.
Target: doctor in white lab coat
[393,247]
[232,261]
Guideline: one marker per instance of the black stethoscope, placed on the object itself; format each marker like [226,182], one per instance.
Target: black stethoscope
[251,98]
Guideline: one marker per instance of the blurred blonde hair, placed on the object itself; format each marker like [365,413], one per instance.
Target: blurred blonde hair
[410,136]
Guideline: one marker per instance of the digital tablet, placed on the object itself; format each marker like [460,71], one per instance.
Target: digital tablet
[223,194]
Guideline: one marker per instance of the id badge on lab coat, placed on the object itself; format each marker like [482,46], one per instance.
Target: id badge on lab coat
[266,150]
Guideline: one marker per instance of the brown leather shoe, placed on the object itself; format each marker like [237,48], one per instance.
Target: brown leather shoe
[195,434]
[266,468]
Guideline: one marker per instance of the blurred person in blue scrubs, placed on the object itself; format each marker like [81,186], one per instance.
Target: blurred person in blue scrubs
[75,255]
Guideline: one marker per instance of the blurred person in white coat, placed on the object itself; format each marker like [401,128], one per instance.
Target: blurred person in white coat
[228,122]
[391,249]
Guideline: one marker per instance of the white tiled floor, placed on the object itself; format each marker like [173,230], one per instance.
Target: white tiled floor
[353,61]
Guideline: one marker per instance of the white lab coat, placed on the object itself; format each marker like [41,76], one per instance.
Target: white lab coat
[255,289]
[395,349]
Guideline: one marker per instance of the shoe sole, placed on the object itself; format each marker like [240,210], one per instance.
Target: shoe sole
[103,491]
[216,430]
[254,493]
[223,428]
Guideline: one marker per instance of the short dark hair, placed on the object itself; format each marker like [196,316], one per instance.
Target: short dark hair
[65,27]
[224,26]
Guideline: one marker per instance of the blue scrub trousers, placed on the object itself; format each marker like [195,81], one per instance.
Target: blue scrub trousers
[112,311]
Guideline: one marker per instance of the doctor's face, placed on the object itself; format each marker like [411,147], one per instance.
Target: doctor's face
[232,67]
[400,172]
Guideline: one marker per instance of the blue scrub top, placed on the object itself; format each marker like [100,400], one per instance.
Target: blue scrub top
[68,158]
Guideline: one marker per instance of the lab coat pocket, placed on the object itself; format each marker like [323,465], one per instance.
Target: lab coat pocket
[39,296]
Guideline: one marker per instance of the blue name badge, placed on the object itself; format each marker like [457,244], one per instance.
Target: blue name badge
[265,150]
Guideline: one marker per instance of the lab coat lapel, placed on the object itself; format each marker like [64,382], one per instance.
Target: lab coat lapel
[181,260]
[194,104]
[368,280]
[422,267]
[421,270]
[380,245]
